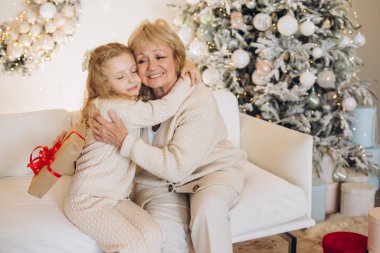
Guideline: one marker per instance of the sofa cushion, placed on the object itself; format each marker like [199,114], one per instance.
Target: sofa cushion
[266,200]
[31,225]
[22,132]
[36,225]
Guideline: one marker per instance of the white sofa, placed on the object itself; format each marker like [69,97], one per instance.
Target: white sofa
[276,197]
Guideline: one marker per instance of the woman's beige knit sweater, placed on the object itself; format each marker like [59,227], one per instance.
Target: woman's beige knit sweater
[190,151]
[101,170]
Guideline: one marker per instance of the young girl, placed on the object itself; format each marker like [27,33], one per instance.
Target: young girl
[98,201]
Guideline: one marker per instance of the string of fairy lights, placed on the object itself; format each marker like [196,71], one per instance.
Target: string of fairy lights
[31,39]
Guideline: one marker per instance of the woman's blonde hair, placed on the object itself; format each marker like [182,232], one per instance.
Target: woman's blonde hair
[159,32]
[97,85]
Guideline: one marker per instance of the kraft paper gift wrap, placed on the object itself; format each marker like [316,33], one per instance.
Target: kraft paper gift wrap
[61,162]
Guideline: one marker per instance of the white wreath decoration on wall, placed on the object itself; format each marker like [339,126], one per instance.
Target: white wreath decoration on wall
[31,39]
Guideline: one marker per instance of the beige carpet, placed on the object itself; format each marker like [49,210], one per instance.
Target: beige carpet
[309,240]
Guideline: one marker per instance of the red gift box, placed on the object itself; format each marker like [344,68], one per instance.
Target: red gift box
[344,242]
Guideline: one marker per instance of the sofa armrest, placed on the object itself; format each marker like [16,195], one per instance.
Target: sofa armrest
[279,150]
[75,117]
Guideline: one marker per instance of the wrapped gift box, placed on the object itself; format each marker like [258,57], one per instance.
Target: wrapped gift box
[52,163]
[318,200]
[375,158]
[364,127]
[357,199]
[332,197]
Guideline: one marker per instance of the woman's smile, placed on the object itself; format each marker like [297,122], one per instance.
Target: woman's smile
[155,75]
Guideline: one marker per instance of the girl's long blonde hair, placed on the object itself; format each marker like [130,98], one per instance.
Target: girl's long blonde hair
[97,85]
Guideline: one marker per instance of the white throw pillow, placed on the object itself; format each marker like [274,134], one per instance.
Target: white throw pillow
[266,200]
[22,132]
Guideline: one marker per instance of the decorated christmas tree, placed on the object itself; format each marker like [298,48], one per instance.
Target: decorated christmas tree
[290,62]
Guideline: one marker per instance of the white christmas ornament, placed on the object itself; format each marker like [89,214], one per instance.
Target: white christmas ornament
[47,42]
[251,4]
[59,20]
[317,52]
[15,51]
[35,30]
[307,79]
[68,11]
[30,16]
[307,28]
[287,25]
[326,79]
[24,39]
[59,36]
[345,41]
[211,76]
[206,18]
[193,1]
[212,2]
[50,27]
[186,34]
[240,58]
[349,104]
[259,79]
[262,22]
[48,10]
[359,39]
[198,48]
[23,27]
[13,35]
[178,20]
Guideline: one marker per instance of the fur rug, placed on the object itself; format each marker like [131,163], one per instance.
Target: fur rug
[308,240]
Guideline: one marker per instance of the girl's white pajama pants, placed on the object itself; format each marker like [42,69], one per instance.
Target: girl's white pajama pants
[117,225]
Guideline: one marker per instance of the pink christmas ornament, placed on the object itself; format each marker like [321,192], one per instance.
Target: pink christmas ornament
[263,67]
[237,20]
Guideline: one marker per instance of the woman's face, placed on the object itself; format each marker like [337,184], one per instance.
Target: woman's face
[122,74]
[156,66]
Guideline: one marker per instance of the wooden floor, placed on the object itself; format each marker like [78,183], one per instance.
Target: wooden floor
[276,244]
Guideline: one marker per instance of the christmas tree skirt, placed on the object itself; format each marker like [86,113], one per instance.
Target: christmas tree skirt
[308,240]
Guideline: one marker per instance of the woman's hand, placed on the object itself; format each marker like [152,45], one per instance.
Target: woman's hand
[113,132]
[193,72]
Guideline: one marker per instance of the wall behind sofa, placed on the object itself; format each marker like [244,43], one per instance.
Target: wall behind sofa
[60,84]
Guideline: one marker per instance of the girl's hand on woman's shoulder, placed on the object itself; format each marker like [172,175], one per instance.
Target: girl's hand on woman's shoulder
[192,70]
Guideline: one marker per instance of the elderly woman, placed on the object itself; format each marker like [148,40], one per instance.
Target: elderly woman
[190,175]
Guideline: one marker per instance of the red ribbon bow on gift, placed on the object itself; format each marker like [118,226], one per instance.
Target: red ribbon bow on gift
[46,156]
